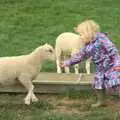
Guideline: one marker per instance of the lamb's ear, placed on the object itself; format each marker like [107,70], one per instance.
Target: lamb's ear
[75,28]
[46,44]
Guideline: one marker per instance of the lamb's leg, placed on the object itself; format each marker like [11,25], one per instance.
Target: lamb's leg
[76,66]
[34,98]
[67,70]
[27,83]
[58,59]
[58,66]
[88,66]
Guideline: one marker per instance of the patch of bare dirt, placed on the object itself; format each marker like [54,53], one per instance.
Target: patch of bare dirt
[115,105]
[66,110]
[67,101]
[62,105]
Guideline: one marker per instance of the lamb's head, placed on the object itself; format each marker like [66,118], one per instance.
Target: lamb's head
[48,51]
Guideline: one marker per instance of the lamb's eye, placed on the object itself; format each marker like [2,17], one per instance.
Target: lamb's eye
[50,51]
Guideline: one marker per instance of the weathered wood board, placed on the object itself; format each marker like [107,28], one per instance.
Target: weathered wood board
[54,83]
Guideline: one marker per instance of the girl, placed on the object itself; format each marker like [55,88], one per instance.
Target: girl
[105,56]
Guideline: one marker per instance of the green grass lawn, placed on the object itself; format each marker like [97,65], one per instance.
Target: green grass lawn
[68,106]
[26,24]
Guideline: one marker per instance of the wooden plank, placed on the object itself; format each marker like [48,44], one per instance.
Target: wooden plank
[54,78]
[45,88]
[53,83]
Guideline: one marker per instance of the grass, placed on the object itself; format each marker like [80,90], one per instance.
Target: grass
[26,24]
[68,106]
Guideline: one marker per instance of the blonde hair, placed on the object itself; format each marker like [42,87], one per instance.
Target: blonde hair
[88,29]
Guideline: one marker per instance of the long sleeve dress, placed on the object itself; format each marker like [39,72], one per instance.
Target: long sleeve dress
[105,56]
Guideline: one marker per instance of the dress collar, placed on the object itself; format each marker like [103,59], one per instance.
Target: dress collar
[99,34]
[96,37]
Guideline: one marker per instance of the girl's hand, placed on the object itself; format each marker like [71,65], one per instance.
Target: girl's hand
[62,65]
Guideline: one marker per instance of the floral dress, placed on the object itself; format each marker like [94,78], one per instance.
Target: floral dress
[105,56]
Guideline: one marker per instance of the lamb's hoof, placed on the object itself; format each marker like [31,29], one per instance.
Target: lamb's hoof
[80,77]
[27,102]
[67,73]
[58,72]
[76,73]
[35,99]
[88,73]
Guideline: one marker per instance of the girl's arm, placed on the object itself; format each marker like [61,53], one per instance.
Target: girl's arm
[80,56]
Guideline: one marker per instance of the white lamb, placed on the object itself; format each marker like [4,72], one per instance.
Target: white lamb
[68,43]
[25,68]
